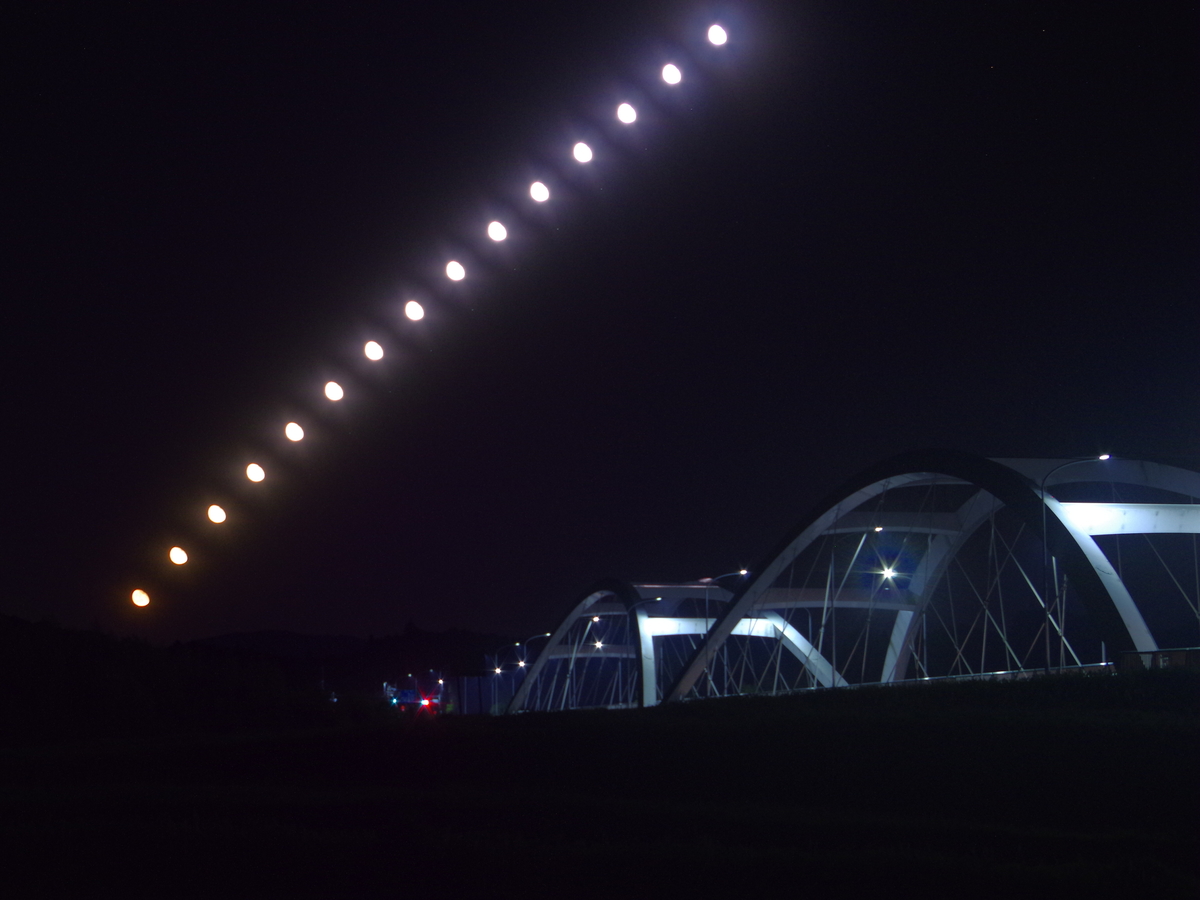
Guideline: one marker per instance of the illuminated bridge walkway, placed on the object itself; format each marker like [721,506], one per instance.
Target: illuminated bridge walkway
[930,564]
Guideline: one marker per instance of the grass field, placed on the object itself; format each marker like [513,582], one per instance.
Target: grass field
[1064,786]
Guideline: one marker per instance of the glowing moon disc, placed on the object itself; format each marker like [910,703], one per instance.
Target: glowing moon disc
[626,114]
[334,391]
[414,310]
[539,192]
[140,598]
[216,514]
[178,555]
[455,271]
[373,351]
[293,432]
[582,152]
[717,35]
[671,74]
[255,472]
[497,232]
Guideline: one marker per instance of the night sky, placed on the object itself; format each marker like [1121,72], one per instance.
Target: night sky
[855,230]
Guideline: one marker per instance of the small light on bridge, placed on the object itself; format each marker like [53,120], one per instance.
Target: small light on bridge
[1104,456]
[521,664]
[496,670]
[595,618]
[889,573]
[878,528]
[599,645]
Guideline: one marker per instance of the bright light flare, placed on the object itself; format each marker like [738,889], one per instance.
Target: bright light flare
[671,74]
[496,231]
[414,310]
[626,114]
[255,472]
[539,192]
[599,645]
[1103,456]
[496,670]
[455,270]
[293,432]
[373,351]
[521,664]
[717,35]
[878,528]
[140,598]
[334,391]
[178,555]
[582,152]
[216,515]
[889,573]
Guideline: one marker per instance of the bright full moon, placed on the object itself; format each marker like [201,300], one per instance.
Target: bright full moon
[373,351]
[717,35]
[582,152]
[539,192]
[293,431]
[626,113]
[216,514]
[455,271]
[497,232]
[334,391]
[414,310]
[255,472]
[178,555]
[671,74]
[140,598]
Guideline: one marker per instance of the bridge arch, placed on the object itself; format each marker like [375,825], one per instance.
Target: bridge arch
[930,563]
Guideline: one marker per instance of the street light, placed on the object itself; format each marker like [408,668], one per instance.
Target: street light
[1046,546]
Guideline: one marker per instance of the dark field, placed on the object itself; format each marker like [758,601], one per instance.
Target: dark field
[1055,787]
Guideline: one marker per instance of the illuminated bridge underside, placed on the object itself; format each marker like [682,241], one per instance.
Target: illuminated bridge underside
[927,565]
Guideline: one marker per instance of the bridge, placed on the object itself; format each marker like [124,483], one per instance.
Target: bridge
[931,564]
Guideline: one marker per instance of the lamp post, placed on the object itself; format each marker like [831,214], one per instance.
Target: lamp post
[525,643]
[1046,546]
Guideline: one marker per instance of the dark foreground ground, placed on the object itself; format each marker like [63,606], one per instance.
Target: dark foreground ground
[1056,787]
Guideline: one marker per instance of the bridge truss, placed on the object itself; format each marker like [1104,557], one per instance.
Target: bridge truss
[930,564]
